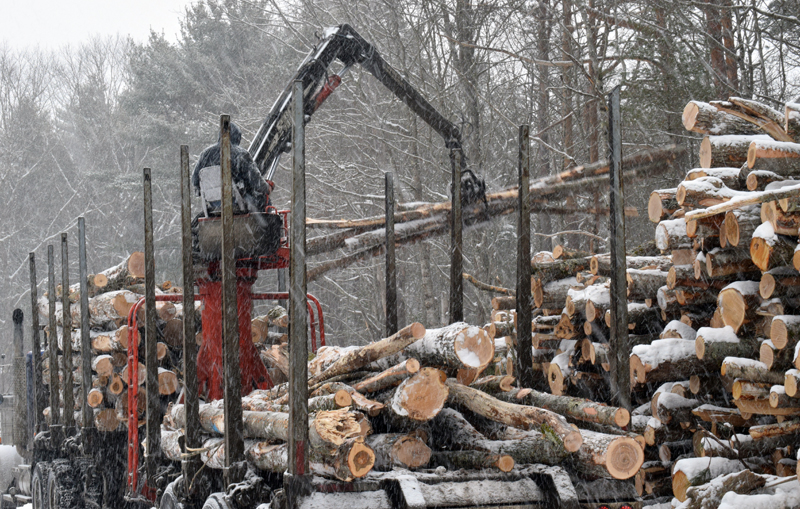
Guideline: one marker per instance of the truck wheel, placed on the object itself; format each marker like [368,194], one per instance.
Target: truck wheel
[39,485]
[217,501]
[62,486]
[168,499]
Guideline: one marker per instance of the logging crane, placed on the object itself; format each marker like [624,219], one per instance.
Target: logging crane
[70,463]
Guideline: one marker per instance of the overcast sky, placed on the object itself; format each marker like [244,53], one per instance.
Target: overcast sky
[53,23]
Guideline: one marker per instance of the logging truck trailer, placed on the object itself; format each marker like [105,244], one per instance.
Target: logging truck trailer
[70,463]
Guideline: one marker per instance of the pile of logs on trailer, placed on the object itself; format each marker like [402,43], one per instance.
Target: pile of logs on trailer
[714,318]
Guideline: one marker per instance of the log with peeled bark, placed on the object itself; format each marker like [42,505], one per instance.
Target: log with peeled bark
[721,415]
[715,344]
[788,190]
[671,235]
[455,346]
[359,358]
[494,383]
[782,429]
[703,118]
[783,223]
[769,250]
[763,407]
[731,150]
[662,204]
[519,416]
[403,450]
[389,377]
[792,382]
[167,382]
[709,495]
[739,302]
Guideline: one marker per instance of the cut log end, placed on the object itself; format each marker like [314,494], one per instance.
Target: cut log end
[342,398]
[360,459]
[411,451]
[474,347]
[573,441]
[624,458]
[136,264]
[505,463]
[422,396]
[622,417]
[417,330]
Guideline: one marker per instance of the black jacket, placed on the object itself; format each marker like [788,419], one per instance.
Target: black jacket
[244,172]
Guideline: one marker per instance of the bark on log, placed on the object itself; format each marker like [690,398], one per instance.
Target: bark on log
[578,408]
[781,282]
[729,175]
[769,250]
[792,382]
[472,460]
[740,225]
[713,345]
[664,360]
[749,369]
[389,377]
[519,416]
[671,235]
[717,151]
[399,450]
[703,118]
[698,471]
[758,180]
[709,496]
[456,346]
[729,262]
[703,192]
[787,191]
[553,294]
[619,456]
[662,204]
[372,352]
[739,302]
[644,284]
[351,460]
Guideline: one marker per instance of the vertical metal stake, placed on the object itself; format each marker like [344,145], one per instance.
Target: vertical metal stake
[52,337]
[36,348]
[191,402]
[391,266]
[66,335]
[524,341]
[456,257]
[20,437]
[234,433]
[86,347]
[619,343]
[153,430]
[298,314]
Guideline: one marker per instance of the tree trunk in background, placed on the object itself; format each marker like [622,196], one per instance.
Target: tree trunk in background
[428,308]
[714,37]
[731,65]
[542,160]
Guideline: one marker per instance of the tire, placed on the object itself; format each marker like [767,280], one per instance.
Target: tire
[217,501]
[41,473]
[168,499]
[63,487]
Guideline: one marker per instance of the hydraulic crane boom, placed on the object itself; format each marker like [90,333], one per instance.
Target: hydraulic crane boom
[346,45]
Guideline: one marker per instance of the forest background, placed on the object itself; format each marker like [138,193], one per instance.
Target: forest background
[77,125]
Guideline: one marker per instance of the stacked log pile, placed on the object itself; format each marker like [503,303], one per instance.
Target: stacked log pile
[423,399]
[721,380]
[112,294]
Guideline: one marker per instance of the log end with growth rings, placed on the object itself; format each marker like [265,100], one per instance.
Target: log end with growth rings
[360,458]
[474,347]
[624,458]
